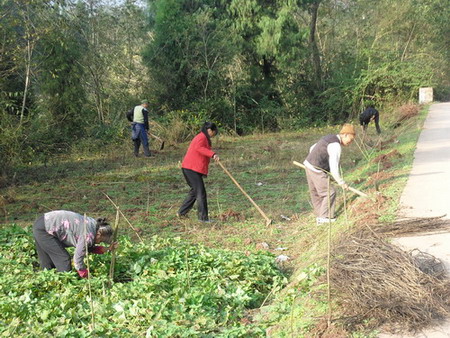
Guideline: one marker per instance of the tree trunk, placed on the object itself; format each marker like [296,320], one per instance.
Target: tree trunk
[27,80]
[315,55]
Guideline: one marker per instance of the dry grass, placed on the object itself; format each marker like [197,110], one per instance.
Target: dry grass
[406,112]
[377,282]
[231,215]
[412,226]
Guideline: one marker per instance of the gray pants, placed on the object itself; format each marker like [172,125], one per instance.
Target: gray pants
[318,184]
[51,252]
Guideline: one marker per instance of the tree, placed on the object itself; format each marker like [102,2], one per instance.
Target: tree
[191,49]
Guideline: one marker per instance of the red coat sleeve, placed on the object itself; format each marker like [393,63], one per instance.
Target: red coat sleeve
[198,155]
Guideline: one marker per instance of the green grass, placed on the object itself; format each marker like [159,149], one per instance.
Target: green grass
[295,312]
[149,192]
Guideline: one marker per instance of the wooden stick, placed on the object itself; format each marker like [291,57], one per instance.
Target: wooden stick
[356,191]
[155,137]
[113,253]
[161,147]
[268,220]
[126,219]
[329,255]
[91,302]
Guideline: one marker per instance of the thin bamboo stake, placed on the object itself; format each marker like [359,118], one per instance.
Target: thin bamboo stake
[113,253]
[328,256]
[356,191]
[345,199]
[126,219]
[89,274]
[268,220]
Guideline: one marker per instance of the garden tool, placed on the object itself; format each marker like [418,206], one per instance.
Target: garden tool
[158,139]
[268,220]
[356,191]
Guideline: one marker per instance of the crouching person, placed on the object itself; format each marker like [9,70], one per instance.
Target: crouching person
[56,230]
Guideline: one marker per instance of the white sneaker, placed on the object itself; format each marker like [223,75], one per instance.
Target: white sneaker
[322,220]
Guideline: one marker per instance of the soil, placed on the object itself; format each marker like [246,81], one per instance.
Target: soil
[386,160]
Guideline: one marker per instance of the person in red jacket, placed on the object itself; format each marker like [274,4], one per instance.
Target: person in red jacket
[194,167]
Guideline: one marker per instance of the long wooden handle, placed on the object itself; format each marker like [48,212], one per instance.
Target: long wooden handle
[161,147]
[356,191]
[113,253]
[268,220]
[156,137]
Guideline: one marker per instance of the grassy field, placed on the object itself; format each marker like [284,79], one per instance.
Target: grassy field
[149,192]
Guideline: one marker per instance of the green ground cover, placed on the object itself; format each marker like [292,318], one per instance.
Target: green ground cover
[215,280]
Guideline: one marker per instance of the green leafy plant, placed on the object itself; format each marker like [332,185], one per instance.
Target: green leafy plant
[163,288]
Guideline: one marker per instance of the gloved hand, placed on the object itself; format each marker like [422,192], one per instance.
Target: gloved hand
[83,273]
[99,250]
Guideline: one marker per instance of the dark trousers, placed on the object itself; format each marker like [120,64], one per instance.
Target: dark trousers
[196,193]
[51,252]
[139,136]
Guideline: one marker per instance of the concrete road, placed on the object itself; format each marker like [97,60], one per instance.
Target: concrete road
[427,194]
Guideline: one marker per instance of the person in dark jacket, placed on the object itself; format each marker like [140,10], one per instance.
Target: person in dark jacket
[194,167]
[139,129]
[323,159]
[56,230]
[370,114]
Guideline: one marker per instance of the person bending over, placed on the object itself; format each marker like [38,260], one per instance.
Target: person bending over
[323,158]
[56,230]
[370,114]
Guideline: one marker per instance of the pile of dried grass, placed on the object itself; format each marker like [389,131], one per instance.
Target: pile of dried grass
[378,282]
[405,112]
[411,226]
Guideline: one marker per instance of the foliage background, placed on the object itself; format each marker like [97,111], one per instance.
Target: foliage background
[69,69]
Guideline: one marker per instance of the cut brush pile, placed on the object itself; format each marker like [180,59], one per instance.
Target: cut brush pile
[378,284]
